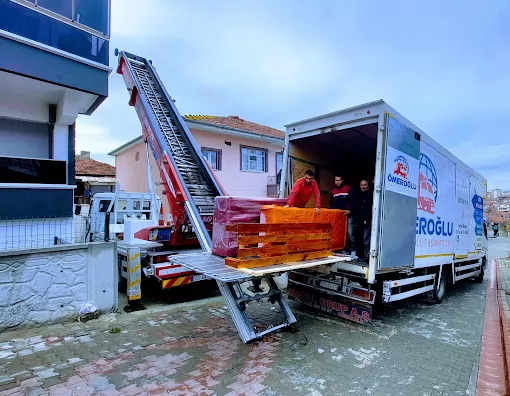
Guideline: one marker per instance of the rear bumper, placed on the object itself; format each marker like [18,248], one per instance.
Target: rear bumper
[331,296]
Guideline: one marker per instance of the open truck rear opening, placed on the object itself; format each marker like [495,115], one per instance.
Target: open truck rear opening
[427,224]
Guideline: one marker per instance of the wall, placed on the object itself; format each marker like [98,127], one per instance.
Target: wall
[50,285]
[24,139]
[235,181]
[132,174]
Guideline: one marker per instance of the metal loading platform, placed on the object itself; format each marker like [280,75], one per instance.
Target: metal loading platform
[230,284]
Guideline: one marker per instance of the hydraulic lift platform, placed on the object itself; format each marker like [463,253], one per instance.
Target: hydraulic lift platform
[229,282]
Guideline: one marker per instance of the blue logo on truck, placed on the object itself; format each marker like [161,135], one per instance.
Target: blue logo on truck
[477,202]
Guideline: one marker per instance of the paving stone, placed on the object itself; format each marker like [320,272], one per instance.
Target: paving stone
[412,348]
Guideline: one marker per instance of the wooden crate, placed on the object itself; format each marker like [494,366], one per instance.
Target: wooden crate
[261,245]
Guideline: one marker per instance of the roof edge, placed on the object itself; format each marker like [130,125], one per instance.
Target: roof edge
[220,128]
[125,146]
[334,113]
[211,127]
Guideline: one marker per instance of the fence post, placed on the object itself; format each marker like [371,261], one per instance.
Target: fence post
[107,227]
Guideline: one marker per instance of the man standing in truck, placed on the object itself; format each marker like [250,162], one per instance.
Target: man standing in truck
[362,213]
[303,190]
[341,197]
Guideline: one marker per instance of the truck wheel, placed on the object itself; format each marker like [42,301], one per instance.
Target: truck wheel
[479,278]
[440,289]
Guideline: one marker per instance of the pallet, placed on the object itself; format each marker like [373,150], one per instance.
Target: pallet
[261,245]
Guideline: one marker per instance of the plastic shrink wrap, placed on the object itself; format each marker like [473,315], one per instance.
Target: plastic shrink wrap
[336,217]
[233,210]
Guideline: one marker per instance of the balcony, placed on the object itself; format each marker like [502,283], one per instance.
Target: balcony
[53,52]
[55,24]
[34,188]
[15,170]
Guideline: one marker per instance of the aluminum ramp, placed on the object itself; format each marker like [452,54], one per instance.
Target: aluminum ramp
[229,282]
[198,182]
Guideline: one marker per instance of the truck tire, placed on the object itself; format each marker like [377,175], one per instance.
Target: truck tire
[479,278]
[440,289]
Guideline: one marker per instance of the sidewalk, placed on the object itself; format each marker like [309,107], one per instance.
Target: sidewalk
[504,304]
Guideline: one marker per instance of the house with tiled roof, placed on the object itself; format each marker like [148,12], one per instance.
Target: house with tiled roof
[92,177]
[246,156]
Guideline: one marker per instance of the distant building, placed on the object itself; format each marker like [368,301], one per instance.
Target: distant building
[496,193]
[92,177]
[245,156]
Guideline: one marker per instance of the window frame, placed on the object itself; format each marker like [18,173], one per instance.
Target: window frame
[218,156]
[276,154]
[34,5]
[266,159]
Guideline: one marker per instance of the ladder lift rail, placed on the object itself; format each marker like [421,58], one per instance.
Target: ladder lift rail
[182,169]
[172,144]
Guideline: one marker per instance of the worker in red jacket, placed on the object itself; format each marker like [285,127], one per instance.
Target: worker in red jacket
[303,190]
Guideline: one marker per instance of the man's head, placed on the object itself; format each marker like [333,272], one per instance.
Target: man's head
[339,180]
[363,185]
[309,176]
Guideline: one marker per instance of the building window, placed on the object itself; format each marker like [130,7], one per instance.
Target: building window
[253,159]
[49,28]
[137,156]
[94,14]
[63,8]
[213,156]
[279,164]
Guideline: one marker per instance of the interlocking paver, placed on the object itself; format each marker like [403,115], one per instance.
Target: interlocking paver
[414,347]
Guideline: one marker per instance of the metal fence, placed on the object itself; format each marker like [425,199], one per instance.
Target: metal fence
[36,233]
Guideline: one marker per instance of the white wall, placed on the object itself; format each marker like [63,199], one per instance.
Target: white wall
[51,284]
[60,142]
[24,139]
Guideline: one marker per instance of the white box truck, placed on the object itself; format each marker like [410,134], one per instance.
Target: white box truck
[427,226]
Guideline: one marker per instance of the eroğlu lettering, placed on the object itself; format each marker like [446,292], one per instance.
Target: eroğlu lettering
[430,227]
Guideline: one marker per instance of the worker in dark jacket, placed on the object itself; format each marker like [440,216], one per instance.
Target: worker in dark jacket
[341,196]
[362,213]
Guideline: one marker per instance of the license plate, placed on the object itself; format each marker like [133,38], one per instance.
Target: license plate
[198,278]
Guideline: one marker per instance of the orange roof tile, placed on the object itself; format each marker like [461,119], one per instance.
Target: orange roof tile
[235,122]
[90,167]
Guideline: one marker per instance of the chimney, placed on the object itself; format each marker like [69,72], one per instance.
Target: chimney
[85,154]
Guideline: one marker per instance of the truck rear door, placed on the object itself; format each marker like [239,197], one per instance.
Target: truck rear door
[399,194]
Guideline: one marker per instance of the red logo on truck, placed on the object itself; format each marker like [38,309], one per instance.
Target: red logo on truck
[427,185]
[401,167]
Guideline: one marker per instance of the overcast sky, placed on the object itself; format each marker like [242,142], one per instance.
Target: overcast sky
[445,65]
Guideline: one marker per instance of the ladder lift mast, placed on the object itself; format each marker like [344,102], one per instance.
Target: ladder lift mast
[190,187]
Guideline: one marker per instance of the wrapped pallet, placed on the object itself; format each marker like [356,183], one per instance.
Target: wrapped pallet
[337,218]
[235,210]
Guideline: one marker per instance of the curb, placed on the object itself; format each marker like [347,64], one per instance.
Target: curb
[492,375]
[505,334]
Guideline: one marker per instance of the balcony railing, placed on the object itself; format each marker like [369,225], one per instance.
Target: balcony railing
[69,37]
[15,170]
